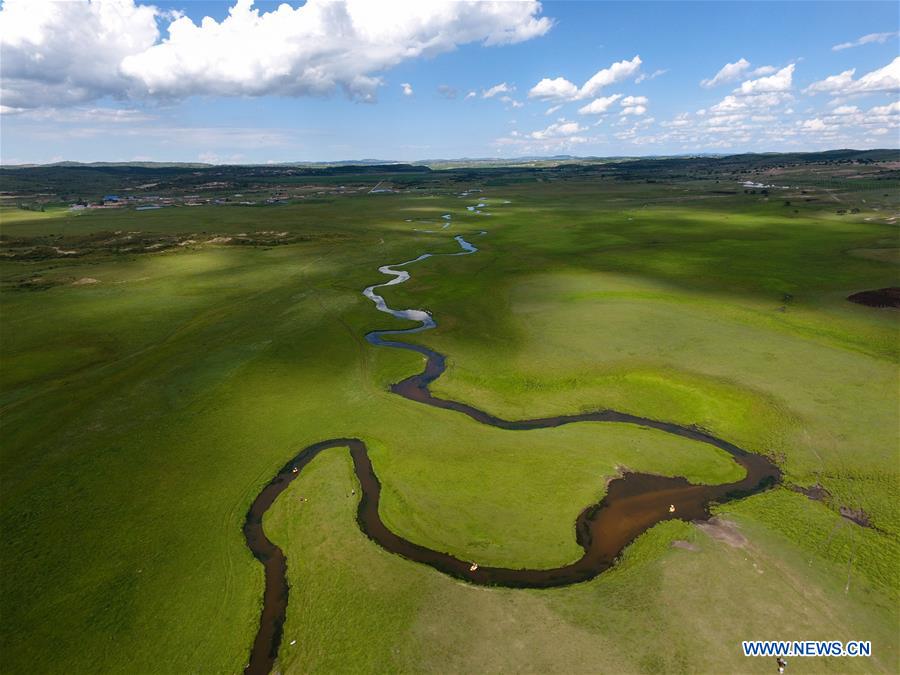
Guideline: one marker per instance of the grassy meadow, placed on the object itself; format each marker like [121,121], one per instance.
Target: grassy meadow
[148,396]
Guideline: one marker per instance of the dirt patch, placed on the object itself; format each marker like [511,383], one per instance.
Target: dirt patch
[820,494]
[857,516]
[815,492]
[882,297]
[723,530]
[686,545]
[84,281]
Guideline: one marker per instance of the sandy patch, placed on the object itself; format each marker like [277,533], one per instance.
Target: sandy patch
[723,530]
[686,545]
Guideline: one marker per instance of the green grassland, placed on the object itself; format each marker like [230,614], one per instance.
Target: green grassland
[142,412]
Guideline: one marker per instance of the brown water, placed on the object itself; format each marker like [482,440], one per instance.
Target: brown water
[633,503]
[880,297]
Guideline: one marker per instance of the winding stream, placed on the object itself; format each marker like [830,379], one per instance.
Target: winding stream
[633,502]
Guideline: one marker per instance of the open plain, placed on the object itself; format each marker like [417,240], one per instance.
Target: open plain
[160,366]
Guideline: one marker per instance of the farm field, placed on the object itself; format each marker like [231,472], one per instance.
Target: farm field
[159,367]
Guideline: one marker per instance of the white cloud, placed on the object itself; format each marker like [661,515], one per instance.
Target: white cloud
[734,71]
[560,88]
[736,102]
[558,136]
[79,114]
[407,89]
[621,70]
[882,79]
[501,88]
[633,105]
[553,109]
[780,81]
[879,38]
[60,53]
[598,106]
[681,120]
[729,104]
[727,73]
[812,125]
[761,93]
[510,101]
[471,94]
[832,83]
[889,109]
[562,128]
[763,70]
[652,76]
[68,52]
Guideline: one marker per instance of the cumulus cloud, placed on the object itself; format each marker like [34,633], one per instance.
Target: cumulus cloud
[736,102]
[780,81]
[889,109]
[561,89]
[617,72]
[407,89]
[883,79]
[727,73]
[558,88]
[560,135]
[561,128]
[750,120]
[832,83]
[599,105]
[62,53]
[761,93]
[879,38]
[812,125]
[75,51]
[735,71]
[633,105]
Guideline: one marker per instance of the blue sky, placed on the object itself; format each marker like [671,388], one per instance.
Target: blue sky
[107,81]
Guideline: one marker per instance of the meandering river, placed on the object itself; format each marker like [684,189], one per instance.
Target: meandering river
[633,502]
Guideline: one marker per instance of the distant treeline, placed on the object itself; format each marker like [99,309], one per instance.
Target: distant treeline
[71,181]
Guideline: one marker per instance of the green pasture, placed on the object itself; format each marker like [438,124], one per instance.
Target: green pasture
[141,414]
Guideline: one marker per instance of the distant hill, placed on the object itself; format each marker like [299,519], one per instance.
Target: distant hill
[75,181]
[764,158]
